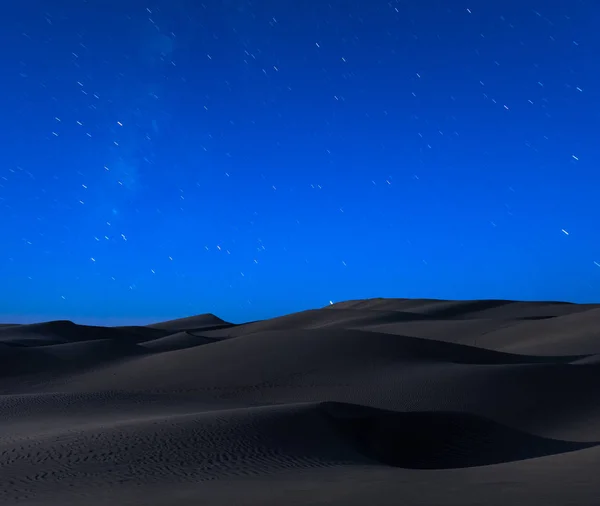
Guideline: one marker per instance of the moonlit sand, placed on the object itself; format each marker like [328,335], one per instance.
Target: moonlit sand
[381,402]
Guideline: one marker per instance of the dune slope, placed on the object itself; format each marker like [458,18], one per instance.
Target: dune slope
[381,401]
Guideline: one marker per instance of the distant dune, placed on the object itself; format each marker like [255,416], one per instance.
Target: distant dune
[379,401]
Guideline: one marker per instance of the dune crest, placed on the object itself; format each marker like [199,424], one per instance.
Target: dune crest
[445,402]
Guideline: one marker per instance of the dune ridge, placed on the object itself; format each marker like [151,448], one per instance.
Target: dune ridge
[431,401]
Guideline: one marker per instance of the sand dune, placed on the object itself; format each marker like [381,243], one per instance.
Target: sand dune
[381,401]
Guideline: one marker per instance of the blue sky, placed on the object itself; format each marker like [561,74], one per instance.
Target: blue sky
[256,158]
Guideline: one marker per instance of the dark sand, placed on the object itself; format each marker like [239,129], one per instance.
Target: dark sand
[375,402]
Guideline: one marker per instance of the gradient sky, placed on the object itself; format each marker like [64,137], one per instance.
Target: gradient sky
[167,158]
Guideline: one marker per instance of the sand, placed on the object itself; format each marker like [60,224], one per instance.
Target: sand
[379,401]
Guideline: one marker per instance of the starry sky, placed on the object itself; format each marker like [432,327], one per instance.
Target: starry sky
[253,158]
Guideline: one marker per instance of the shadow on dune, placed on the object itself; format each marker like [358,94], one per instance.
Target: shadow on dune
[438,440]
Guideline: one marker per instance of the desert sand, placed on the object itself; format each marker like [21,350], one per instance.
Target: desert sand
[379,401]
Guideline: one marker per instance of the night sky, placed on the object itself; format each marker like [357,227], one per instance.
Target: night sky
[251,159]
